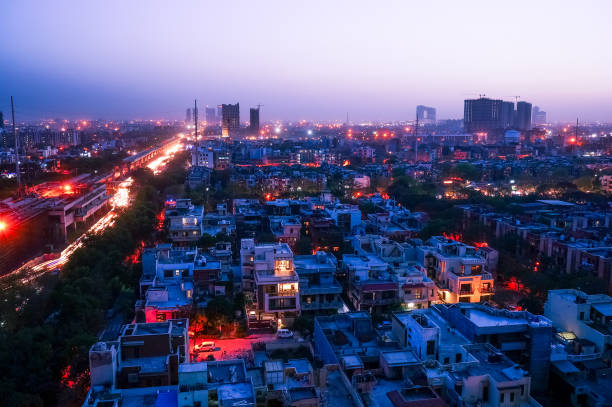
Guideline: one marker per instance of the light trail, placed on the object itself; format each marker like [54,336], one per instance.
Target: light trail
[119,200]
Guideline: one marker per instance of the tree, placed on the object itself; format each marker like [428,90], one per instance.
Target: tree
[219,312]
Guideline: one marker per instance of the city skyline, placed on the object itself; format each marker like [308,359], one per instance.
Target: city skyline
[315,62]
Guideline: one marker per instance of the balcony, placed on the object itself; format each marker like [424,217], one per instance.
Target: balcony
[284,293]
[319,305]
[466,292]
[487,290]
[486,276]
[318,289]
[378,301]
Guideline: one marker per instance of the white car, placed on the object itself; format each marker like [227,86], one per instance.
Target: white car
[284,333]
[205,347]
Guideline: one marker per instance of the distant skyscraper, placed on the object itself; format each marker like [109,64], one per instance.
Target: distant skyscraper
[219,112]
[507,115]
[425,114]
[254,120]
[1,120]
[188,116]
[482,115]
[230,119]
[538,117]
[523,116]
[211,117]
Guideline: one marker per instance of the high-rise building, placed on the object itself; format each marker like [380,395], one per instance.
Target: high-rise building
[188,116]
[507,115]
[230,119]
[254,120]
[523,116]
[482,115]
[219,112]
[538,117]
[425,114]
[211,117]
[3,134]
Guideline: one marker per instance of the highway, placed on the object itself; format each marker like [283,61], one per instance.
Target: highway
[121,199]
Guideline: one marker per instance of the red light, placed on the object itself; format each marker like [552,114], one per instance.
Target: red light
[3,226]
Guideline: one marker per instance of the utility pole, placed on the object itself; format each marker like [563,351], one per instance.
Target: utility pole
[17,170]
[196,144]
[416,140]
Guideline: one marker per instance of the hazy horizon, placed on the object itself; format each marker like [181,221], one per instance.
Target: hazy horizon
[313,60]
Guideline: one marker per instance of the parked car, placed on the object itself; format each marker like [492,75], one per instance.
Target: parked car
[284,333]
[205,347]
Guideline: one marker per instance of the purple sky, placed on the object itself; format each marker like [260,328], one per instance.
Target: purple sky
[304,59]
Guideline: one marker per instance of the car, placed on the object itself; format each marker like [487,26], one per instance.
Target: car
[284,333]
[208,346]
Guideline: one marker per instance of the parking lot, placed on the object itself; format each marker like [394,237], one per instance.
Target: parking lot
[231,348]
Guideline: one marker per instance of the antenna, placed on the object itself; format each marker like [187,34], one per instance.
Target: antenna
[576,131]
[195,119]
[17,171]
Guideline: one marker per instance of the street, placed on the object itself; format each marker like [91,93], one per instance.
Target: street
[231,348]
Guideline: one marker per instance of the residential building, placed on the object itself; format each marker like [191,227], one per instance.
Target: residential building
[269,276]
[371,286]
[524,337]
[211,117]
[254,120]
[319,289]
[185,220]
[586,316]
[523,116]
[482,115]
[286,229]
[538,116]
[144,355]
[345,216]
[425,114]
[457,269]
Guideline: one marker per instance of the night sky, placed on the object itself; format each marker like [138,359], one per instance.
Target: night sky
[121,59]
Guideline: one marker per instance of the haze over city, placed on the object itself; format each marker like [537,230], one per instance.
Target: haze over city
[314,60]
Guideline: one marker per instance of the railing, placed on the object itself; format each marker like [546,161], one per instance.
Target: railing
[578,358]
[487,290]
[328,289]
[321,305]
[378,301]
[466,292]
[285,293]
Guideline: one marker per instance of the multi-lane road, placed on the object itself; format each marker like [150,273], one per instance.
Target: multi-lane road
[121,199]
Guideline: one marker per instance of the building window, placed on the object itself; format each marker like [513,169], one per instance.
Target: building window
[522,389]
[431,347]
[501,397]
[512,397]
[160,317]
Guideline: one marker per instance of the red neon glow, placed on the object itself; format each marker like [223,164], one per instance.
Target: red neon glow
[346,163]
[66,381]
[481,244]
[3,226]
[452,236]
[160,220]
